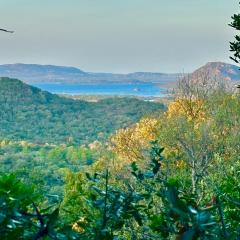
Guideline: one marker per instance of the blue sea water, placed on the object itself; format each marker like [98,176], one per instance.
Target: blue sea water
[144,90]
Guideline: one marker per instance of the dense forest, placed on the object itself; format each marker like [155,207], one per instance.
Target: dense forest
[169,175]
[48,163]
[27,113]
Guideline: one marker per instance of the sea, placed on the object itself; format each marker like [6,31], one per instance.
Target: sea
[139,89]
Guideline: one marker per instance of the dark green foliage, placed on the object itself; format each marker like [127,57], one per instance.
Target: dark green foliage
[153,206]
[21,218]
[235,46]
[115,208]
[229,194]
[18,211]
[27,113]
[181,215]
[14,196]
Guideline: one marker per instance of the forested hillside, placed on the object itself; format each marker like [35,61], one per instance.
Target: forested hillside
[27,113]
[123,168]
[171,176]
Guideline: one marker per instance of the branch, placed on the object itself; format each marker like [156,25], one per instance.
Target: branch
[105,218]
[220,211]
[4,30]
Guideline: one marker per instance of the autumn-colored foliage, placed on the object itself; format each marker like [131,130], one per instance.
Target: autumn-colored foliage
[193,110]
[129,144]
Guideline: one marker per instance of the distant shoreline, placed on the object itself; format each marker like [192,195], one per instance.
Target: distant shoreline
[97,98]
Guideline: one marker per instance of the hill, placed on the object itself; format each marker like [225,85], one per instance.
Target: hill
[221,70]
[34,73]
[28,113]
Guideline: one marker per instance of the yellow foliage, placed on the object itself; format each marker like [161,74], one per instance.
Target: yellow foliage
[129,143]
[181,164]
[77,225]
[102,163]
[193,110]
[3,143]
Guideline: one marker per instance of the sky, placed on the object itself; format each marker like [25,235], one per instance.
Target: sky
[118,36]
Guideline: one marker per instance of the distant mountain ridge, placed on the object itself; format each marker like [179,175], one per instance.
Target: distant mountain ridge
[35,74]
[37,68]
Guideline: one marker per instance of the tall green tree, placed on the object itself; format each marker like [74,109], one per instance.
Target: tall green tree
[235,45]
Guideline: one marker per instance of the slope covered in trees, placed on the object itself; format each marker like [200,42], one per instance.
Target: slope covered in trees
[175,176]
[27,113]
[172,176]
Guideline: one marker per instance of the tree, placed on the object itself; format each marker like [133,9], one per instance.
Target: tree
[130,144]
[235,46]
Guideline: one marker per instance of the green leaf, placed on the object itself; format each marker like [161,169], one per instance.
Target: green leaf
[52,219]
[189,235]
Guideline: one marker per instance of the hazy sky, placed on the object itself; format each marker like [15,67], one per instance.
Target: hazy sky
[117,35]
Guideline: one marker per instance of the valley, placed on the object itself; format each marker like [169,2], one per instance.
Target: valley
[134,149]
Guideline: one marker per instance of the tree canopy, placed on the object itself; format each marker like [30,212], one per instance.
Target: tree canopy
[235,45]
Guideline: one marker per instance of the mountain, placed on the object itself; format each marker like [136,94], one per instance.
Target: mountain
[34,74]
[28,113]
[220,70]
